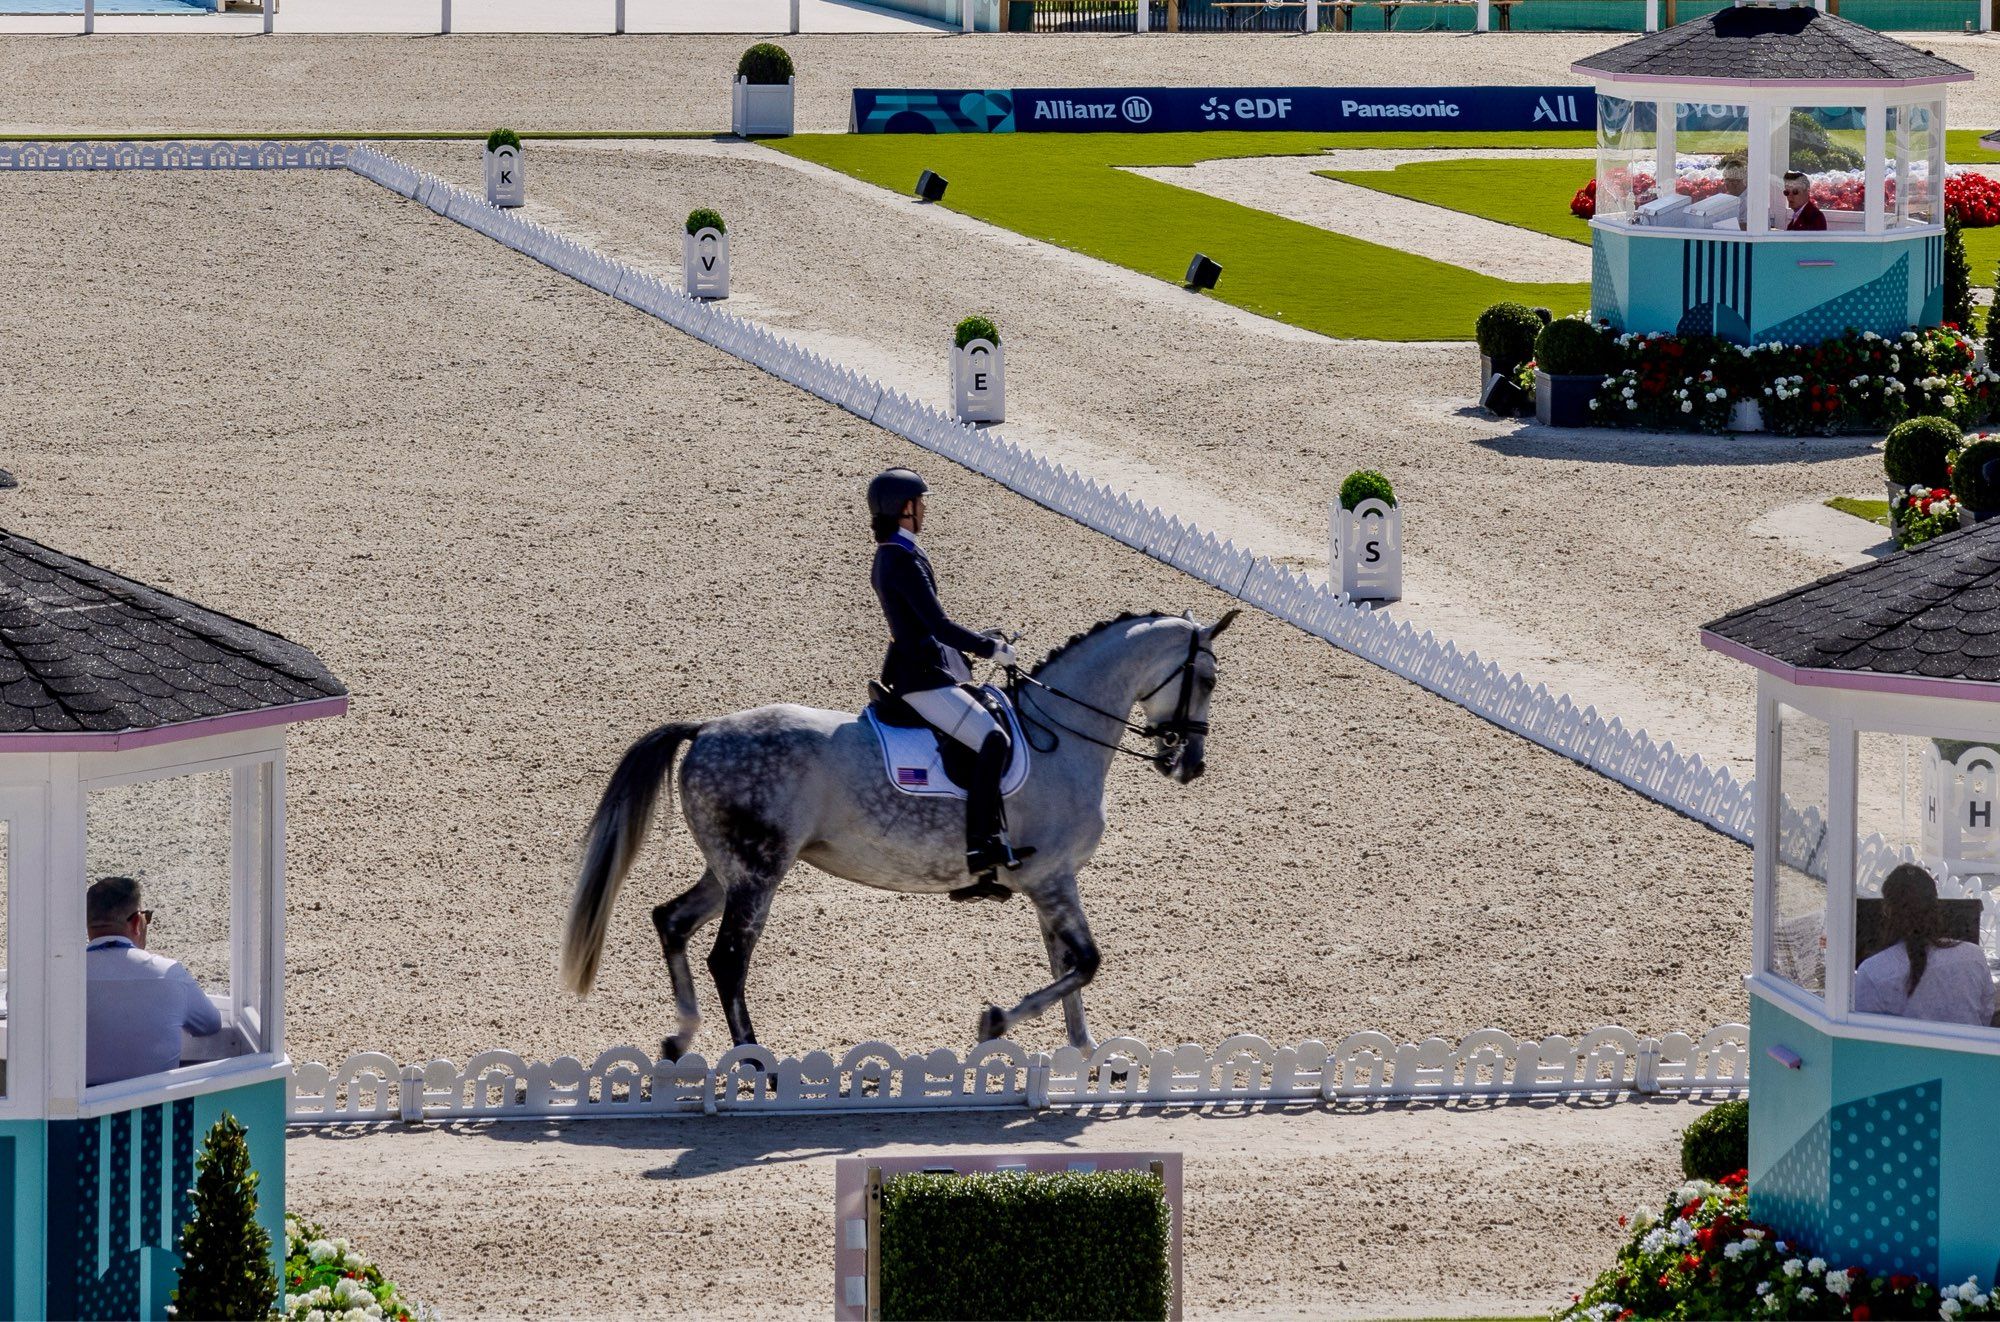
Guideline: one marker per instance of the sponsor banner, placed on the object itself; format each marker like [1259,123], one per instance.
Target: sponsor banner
[1194,109]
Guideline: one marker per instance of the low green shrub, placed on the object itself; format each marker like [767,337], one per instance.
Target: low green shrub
[766,62]
[976,327]
[702,218]
[1011,1244]
[1957,277]
[1968,476]
[1506,333]
[1718,1142]
[1574,346]
[499,138]
[1916,450]
[1366,484]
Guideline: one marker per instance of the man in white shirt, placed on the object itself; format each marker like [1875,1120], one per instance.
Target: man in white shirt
[137,1003]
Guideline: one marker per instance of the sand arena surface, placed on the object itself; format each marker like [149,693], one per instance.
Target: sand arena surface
[321,84]
[1586,560]
[524,523]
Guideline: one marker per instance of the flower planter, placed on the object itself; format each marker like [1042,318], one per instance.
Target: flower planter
[761,109]
[705,263]
[1746,415]
[506,186]
[1508,400]
[1564,401]
[1367,550]
[979,381]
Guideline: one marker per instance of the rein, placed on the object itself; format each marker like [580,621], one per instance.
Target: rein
[1170,731]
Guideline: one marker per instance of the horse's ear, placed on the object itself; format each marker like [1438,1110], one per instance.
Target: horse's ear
[1228,618]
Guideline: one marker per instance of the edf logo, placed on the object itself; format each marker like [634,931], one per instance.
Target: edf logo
[1248,107]
[1136,109]
[1562,112]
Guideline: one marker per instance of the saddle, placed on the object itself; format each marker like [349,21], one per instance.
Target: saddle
[919,760]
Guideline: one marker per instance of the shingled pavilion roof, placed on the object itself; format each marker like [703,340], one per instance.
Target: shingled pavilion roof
[88,656]
[1902,623]
[1770,43]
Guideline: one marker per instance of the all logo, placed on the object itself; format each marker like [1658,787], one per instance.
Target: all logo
[1562,111]
[1136,109]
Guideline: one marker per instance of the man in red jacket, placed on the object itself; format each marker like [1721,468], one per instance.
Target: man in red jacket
[1806,214]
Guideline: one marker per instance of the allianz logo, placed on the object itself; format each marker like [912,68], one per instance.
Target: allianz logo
[1133,109]
[1247,107]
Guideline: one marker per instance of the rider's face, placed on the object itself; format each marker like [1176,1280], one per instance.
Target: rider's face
[915,514]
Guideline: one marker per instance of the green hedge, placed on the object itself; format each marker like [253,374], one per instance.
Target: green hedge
[499,138]
[1060,1245]
[1717,1143]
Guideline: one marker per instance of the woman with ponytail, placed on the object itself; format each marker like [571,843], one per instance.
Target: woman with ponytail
[1922,973]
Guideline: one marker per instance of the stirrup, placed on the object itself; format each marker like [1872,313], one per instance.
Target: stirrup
[985,861]
[986,888]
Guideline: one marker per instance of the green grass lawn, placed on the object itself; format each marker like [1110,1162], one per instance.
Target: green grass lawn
[1065,189]
[1875,511]
[1533,194]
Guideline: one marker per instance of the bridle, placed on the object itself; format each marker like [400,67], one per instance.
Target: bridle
[1173,732]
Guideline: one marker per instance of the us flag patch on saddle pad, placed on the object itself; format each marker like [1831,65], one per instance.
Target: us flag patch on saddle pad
[913,776]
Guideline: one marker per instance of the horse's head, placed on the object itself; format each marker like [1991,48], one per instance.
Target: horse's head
[1177,708]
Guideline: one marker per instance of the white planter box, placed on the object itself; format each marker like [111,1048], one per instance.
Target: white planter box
[1367,550]
[979,381]
[1746,415]
[705,263]
[762,109]
[505,184]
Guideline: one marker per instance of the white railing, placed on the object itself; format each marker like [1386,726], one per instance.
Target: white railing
[1245,1069]
[1710,794]
[173,155]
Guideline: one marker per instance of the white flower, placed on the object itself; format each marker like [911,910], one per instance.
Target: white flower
[1816,1266]
[1763,1287]
[1793,1266]
[1753,1232]
[1836,1283]
[1687,406]
[1593,403]
[1631,403]
[1950,1308]
[321,1250]
[1732,1251]
[1807,1294]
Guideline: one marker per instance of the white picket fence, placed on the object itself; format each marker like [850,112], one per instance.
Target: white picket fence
[173,155]
[1684,781]
[1245,1069]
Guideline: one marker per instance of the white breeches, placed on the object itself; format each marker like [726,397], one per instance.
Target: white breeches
[955,712]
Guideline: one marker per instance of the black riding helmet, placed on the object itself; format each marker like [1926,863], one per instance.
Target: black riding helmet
[891,489]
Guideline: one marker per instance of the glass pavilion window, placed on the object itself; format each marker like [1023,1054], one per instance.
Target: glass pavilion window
[1798,904]
[1627,149]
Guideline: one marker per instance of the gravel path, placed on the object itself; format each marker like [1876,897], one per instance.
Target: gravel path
[1290,186]
[545,83]
[1412,1212]
[1586,560]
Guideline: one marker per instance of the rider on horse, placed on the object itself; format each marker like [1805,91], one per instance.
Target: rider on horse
[926,665]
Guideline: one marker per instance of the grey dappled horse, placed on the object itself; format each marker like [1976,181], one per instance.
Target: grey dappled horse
[762,789]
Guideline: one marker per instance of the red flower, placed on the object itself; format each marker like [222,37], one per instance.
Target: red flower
[1690,1261]
[1861,1313]
[1664,1283]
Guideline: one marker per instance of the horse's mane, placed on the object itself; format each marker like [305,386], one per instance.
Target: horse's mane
[1076,638]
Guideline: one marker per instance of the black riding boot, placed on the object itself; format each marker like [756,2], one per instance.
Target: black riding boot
[986,845]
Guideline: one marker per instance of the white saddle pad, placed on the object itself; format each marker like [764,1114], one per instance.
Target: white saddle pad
[911,759]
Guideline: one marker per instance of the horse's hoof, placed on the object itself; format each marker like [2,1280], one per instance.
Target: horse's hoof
[992,1024]
[672,1048]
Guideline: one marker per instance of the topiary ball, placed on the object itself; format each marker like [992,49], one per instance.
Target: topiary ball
[1366,484]
[1968,477]
[702,218]
[499,138]
[1506,334]
[764,63]
[1573,346]
[1717,1143]
[1916,449]
[976,327]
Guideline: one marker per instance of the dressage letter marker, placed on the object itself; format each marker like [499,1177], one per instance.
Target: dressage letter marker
[979,381]
[705,263]
[505,186]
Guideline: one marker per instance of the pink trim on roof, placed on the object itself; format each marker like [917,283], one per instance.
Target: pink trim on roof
[1606,76]
[1854,681]
[111,741]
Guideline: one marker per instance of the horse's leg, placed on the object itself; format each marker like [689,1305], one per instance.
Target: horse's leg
[743,914]
[1064,928]
[1073,1021]
[676,921]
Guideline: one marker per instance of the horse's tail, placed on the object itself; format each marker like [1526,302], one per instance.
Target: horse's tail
[616,834]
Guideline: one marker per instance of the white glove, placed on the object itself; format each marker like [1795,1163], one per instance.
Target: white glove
[1003,652]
